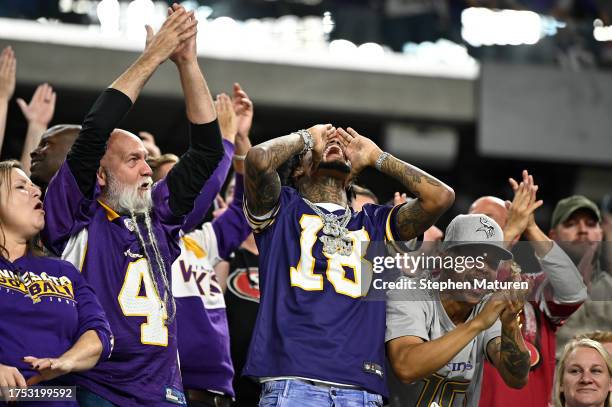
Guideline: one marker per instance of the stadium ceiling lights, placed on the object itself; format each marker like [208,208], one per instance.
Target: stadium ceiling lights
[482,26]
[601,32]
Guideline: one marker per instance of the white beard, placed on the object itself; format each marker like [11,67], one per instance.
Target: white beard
[125,198]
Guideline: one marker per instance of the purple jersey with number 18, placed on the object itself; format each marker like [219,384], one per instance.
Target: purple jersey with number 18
[313,322]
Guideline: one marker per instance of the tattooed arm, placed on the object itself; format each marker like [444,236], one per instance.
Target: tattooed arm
[508,353]
[413,353]
[262,183]
[433,196]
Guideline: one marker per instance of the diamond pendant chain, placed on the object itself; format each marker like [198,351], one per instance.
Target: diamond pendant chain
[335,237]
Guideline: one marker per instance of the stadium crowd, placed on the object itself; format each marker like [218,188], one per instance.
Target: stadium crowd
[114,280]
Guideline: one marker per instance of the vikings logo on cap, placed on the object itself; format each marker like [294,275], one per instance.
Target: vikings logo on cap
[487,228]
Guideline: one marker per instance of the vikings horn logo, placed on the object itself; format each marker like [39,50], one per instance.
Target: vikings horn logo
[486,227]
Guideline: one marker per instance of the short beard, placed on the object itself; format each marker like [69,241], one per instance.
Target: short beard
[127,199]
[339,166]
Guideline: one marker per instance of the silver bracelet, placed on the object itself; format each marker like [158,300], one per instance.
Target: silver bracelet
[307,139]
[238,157]
[381,158]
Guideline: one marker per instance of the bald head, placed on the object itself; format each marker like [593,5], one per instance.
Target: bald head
[120,144]
[493,207]
[51,152]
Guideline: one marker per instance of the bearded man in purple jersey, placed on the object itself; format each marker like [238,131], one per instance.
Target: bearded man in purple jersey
[105,217]
[316,343]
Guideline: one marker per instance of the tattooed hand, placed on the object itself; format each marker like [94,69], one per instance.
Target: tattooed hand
[320,133]
[359,150]
[515,300]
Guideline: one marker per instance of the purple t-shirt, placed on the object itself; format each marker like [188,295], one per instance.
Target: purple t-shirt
[313,321]
[45,306]
[202,319]
[143,369]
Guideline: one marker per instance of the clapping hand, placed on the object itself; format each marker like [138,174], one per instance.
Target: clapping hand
[522,207]
[228,123]
[243,107]
[177,30]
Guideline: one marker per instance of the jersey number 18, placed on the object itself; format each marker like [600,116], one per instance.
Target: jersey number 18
[303,275]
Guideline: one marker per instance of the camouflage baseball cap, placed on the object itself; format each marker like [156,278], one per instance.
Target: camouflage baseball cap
[569,205]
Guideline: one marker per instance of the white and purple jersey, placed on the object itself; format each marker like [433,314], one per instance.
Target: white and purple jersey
[104,245]
[46,306]
[107,251]
[456,384]
[202,318]
[313,322]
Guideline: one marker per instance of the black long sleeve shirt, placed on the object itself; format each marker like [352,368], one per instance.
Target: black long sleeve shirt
[185,180]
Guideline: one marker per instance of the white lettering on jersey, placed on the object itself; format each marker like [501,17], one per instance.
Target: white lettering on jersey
[193,273]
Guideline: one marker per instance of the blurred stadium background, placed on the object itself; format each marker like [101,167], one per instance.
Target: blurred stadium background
[471,90]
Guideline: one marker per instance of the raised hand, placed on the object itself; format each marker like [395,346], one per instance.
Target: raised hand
[399,198]
[187,51]
[228,123]
[359,150]
[320,133]
[48,368]
[515,300]
[522,207]
[243,107]
[220,205]
[41,107]
[178,28]
[148,140]
[527,179]
[8,68]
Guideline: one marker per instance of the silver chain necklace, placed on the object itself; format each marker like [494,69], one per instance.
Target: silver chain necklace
[335,237]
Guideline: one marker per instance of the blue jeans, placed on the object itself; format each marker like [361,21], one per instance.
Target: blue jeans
[87,398]
[298,393]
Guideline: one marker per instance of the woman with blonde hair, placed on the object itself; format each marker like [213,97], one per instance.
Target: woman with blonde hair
[584,376]
[51,322]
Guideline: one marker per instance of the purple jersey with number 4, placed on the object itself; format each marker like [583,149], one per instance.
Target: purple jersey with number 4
[143,369]
[313,322]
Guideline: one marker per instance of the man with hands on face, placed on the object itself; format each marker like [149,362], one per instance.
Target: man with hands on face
[316,343]
[437,341]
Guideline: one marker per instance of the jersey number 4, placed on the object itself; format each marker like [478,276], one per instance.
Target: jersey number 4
[303,275]
[149,305]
